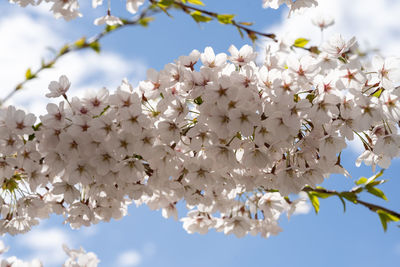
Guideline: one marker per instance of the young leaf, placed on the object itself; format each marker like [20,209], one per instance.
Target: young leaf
[64,50]
[240,32]
[225,18]
[95,46]
[81,42]
[310,97]
[379,174]
[296,98]
[110,28]
[376,192]
[350,196]
[343,202]
[377,93]
[196,2]
[29,75]
[362,180]
[198,100]
[314,201]
[165,3]
[300,42]
[386,217]
[145,21]
[199,17]
[322,195]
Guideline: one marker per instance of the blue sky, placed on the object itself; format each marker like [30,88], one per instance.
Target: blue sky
[331,238]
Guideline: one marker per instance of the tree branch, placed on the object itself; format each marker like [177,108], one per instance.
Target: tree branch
[356,200]
[249,31]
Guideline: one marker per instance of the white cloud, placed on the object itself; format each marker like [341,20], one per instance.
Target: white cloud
[25,40]
[129,258]
[302,207]
[45,244]
[374,23]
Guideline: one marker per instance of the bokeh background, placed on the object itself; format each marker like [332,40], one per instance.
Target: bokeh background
[144,237]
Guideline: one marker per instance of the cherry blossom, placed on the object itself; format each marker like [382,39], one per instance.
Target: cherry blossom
[59,88]
[231,138]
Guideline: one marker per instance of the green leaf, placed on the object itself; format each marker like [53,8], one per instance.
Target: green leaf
[357,190]
[145,21]
[225,18]
[240,32]
[377,93]
[198,100]
[375,183]
[386,217]
[95,46]
[379,174]
[300,42]
[362,180]
[110,28]
[376,192]
[165,3]
[196,2]
[64,50]
[314,201]
[81,42]
[322,195]
[199,17]
[371,181]
[310,97]
[29,75]
[350,196]
[31,137]
[343,202]
[36,127]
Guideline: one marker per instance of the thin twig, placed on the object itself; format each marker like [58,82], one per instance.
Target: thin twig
[186,7]
[368,205]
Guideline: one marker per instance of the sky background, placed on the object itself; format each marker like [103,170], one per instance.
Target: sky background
[144,237]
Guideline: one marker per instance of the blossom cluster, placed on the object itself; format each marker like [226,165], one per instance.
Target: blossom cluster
[76,258]
[228,138]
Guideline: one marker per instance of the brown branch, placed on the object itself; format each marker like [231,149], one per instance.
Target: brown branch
[187,8]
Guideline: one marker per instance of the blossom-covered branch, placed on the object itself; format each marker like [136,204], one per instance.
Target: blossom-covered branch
[227,137]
